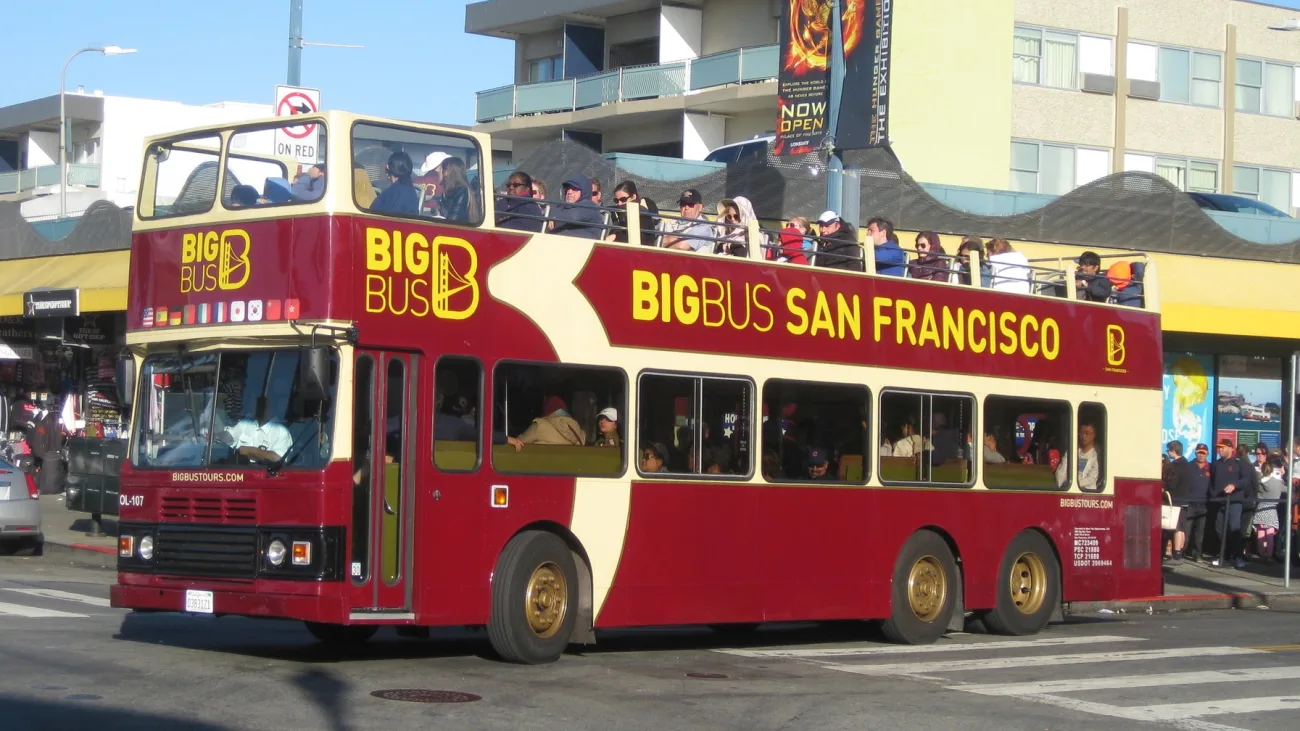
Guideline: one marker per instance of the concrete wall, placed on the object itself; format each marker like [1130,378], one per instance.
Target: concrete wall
[1175,129]
[742,126]
[42,148]
[680,33]
[732,24]
[532,47]
[1089,16]
[1057,115]
[952,90]
[701,133]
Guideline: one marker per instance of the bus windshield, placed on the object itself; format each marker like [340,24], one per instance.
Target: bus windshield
[230,409]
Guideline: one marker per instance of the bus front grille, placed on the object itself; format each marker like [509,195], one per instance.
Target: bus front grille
[193,550]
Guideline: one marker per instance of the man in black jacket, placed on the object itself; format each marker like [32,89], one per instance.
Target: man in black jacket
[1178,483]
[1199,480]
[579,217]
[838,246]
[517,210]
[1230,485]
[1092,284]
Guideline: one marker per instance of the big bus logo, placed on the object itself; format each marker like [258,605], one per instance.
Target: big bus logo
[411,275]
[1115,351]
[212,260]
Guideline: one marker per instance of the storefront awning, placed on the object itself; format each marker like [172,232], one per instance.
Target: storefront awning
[101,278]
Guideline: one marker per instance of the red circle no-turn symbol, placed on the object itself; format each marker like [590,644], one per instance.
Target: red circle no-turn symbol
[296,102]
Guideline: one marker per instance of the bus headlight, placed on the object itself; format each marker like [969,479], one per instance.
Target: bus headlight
[146,548]
[275,552]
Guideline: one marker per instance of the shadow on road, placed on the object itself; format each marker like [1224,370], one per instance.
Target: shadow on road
[326,691]
[28,714]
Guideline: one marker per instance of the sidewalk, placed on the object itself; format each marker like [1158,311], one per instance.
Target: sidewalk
[1193,586]
[65,534]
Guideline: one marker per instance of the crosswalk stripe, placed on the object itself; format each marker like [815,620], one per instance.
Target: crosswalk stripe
[1133,681]
[927,668]
[1176,711]
[817,652]
[19,610]
[1123,712]
[64,595]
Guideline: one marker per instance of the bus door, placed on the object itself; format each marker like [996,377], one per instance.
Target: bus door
[384,419]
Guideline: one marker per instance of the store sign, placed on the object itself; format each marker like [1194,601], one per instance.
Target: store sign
[15,329]
[52,303]
[98,329]
[16,352]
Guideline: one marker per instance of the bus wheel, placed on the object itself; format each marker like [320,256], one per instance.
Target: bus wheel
[924,591]
[1029,587]
[342,634]
[534,599]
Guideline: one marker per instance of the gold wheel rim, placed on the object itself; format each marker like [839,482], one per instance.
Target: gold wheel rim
[1028,583]
[927,588]
[546,601]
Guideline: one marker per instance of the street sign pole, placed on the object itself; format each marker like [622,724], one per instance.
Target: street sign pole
[835,163]
[1285,523]
[295,43]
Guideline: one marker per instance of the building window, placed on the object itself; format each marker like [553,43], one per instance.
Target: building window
[1045,58]
[1189,77]
[1266,186]
[1189,176]
[924,438]
[546,69]
[1026,443]
[553,411]
[1038,167]
[1265,88]
[815,432]
[692,425]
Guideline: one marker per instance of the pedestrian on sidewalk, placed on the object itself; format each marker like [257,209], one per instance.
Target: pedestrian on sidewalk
[1178,479]
[1229,489]
[1265,521]
[1199,480]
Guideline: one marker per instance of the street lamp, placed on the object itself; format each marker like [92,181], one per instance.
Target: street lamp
[63,121]
[1293,24]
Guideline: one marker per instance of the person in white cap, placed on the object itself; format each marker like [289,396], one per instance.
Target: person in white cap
[607,428]
[429,178]
[839,247]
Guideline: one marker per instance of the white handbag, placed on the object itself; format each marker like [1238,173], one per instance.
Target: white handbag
[1169,514]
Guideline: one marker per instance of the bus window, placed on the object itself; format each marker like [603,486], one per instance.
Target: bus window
[362,446]
[180,177]
[700,426]
[547,419]
[1026,444]
[815,431]
[257,174]
[458,383]
[407,172]
[925,437]
[1092,447]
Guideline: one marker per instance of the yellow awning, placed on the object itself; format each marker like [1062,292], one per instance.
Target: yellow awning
[100,277]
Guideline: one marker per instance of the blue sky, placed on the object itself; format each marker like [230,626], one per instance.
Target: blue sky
[418,62]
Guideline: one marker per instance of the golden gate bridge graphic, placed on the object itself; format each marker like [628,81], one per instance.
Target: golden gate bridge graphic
[451,282]
[233,269]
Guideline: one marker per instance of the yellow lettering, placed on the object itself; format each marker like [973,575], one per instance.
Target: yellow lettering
[189,248]
[210,240]
[954,328]
[377,257]
[1050,338]
[397,252]
[929,326]
[686,307]
[645,288]
[422,298]
[976,346]
[878,317]
[1028,322]
[376,287]
[233,266]
[771,318]
[417,254]
[822,316]
[905,311]
[706,302]
[797,311]
[850,317]
[731,300]
[1008,325]
[457,280]
[187,279]
[993,333]
[665,307]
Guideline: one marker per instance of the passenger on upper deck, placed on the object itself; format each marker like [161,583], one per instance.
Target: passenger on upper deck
[839,244]
[309,185]
[577,217]
[624,193]
[697,230]
[1009,267]
[890,259]
[1091,285]
[596,196]
[519,211]
[733,239]
[244,196]
[456,203]
[401,195]
[969,244]
[929,263]
[539,190]
[791,248]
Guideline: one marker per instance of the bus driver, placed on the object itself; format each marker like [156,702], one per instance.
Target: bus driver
[261,438]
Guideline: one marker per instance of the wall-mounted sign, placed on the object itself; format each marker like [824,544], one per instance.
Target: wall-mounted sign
[52,303]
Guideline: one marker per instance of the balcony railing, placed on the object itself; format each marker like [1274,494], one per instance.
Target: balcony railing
[738,66]
[21,181]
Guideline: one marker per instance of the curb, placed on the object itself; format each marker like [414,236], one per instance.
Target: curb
[81,554]
[1288,600]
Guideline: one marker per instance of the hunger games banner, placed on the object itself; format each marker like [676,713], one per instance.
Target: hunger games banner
[803,91]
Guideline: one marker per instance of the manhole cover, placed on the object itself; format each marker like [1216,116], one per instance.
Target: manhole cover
[706,676]
[416,695]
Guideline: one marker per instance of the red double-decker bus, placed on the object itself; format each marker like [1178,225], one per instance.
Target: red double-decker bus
[357,405]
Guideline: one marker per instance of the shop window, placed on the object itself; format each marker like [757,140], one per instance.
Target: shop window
[693,425]
[547,419]
[1026,444]
[815,431]
[925,437]
[457,429]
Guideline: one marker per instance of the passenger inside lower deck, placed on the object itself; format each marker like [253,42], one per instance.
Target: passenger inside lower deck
[1028,444]
[814,431]
[702,422]
[942,457]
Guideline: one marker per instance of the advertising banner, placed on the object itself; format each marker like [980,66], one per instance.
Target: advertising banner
[803,85]
[1189,401]
[864,106]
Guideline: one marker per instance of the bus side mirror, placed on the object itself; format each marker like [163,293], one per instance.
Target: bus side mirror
[314,373]
[126,380]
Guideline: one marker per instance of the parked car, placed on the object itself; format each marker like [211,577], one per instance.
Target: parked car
[1235,204]
[752,148]
[20,511]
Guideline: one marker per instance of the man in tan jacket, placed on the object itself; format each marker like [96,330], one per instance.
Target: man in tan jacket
[557,427]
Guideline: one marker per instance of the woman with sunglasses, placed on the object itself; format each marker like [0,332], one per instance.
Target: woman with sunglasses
[930,263]
[516,209]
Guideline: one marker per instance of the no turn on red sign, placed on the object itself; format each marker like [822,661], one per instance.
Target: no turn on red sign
[297,141]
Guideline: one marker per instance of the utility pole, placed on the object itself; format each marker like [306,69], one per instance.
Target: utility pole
[835,164]
[295,43]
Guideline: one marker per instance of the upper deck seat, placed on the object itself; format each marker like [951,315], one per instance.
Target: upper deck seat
[197,190]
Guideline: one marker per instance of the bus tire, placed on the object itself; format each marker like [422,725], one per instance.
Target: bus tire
[924,591]
[342,634]
[1029,587]
[534,599]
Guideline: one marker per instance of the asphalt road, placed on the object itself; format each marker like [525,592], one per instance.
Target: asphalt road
[68,661]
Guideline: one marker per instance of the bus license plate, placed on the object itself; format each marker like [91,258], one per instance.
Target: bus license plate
[199,602]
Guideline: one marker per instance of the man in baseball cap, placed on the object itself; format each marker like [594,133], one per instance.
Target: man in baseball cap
[819,463]
[838,247]
[1229,485]
[693,233]
[607,428]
